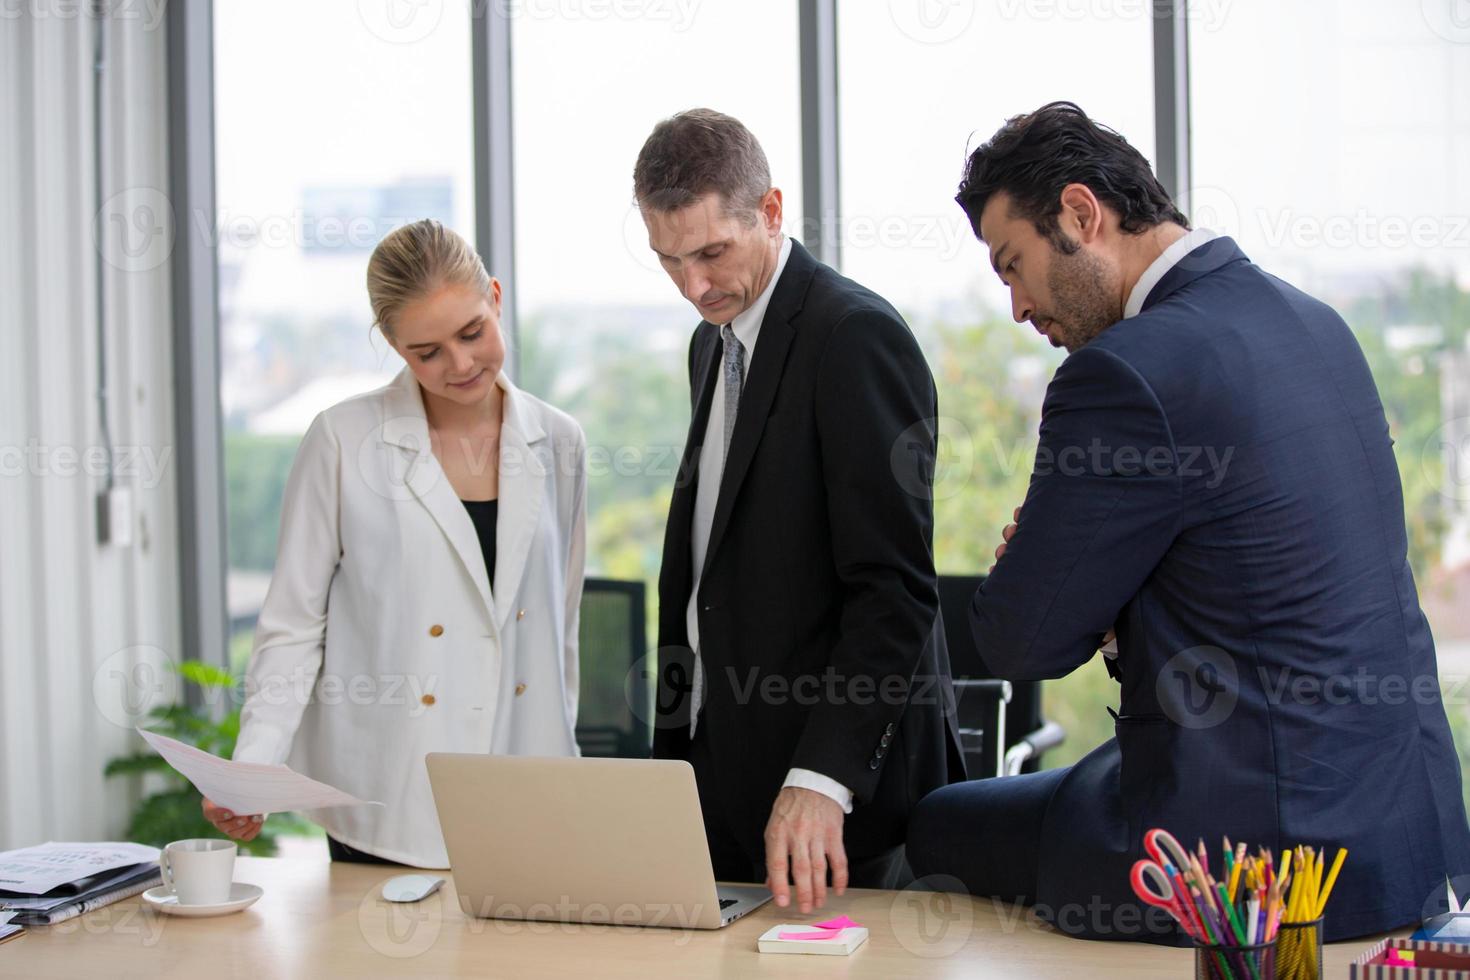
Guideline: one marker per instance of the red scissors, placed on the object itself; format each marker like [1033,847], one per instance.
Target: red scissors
[1153,883]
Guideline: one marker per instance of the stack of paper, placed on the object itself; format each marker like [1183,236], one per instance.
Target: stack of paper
[248,787]
[835,937]
[53,882]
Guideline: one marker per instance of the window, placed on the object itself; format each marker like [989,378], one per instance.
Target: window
[1362,198]
[322,147]
[604,333]
[921,84]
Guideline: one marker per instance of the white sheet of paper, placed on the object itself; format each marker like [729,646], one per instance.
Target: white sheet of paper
[248,787]
[38,869]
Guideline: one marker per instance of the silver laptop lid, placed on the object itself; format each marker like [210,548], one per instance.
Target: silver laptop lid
[616,841]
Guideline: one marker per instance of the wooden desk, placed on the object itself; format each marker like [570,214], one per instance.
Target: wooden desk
[319,920]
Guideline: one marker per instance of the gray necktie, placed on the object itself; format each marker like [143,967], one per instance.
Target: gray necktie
[734,382]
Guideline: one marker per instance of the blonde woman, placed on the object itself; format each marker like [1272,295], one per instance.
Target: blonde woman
[429,571]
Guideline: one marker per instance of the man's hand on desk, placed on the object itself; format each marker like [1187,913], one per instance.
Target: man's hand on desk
[804,838]
[240,828]
[1006,533]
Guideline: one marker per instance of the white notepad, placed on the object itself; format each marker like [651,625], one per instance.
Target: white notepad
[842,943]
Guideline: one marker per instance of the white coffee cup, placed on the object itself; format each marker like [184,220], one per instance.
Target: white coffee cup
[199,871]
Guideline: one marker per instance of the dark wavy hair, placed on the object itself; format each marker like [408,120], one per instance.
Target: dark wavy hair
[1032,157]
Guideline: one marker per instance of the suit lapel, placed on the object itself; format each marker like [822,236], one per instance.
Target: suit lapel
[522,489]
[406,427]
[763,380]
[523,473]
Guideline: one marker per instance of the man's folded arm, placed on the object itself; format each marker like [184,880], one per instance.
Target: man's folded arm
[1102,508]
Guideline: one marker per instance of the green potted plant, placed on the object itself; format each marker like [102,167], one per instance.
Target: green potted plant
[174,812]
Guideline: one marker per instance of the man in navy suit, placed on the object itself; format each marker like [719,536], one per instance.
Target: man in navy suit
[1216,483]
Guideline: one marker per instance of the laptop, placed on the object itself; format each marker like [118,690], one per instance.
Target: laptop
[617,841]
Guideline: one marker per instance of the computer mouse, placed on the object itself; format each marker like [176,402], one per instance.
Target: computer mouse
[410,888]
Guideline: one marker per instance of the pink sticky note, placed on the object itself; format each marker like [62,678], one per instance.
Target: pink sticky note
[841,922]
[825,934]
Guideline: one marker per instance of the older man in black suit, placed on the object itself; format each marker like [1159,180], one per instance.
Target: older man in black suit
[803,671]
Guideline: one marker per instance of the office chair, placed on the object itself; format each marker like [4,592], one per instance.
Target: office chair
[612,711]
[1002,731]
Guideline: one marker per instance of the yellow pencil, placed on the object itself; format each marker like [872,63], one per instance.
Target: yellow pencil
[1331,880]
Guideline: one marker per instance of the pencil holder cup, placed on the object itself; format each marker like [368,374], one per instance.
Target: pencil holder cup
[1235,962]
[1299,951]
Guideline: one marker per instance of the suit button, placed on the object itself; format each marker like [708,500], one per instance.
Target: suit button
[520,689]
[521,614]
[885,740]
[436,630]
[428,699]
[889,729]
[874,762]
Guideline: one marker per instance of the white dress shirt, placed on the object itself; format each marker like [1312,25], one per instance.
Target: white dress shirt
[1160,267]
[747,327]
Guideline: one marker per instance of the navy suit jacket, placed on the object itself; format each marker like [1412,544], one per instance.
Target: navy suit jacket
[1215,477]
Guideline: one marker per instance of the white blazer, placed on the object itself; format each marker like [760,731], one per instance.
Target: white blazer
[381,638]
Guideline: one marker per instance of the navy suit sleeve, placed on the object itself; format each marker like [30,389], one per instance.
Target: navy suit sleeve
[875,408]
[1102,509]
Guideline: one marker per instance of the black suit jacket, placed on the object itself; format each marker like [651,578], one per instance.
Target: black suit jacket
[818,606]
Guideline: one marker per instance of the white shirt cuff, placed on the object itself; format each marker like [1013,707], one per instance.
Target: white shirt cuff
[827,786]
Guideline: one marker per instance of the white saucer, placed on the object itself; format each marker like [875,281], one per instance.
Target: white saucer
[242,896]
